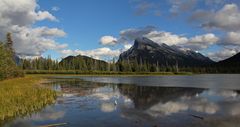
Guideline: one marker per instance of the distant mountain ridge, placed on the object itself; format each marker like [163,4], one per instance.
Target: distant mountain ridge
[83,63]
[145,50]
[146,55]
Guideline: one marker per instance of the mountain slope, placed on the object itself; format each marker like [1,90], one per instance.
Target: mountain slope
[233,61]
[83,63]
[146,51]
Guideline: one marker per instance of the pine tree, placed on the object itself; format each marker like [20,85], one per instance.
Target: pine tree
[9,43]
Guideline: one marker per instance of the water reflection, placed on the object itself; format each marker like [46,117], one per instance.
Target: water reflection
[83,102]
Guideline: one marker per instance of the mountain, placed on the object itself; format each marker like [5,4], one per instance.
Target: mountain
[145,50]
[17,59]
[233,61]
[83,63]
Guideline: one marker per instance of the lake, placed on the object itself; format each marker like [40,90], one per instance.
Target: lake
[134,101]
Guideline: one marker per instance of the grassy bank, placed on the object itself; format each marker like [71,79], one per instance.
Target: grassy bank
[23,96]
[102,72]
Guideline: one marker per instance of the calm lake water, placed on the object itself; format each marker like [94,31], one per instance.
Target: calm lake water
[135,101]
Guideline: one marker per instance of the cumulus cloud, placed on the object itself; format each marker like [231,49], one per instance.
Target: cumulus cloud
[126,35]
[98,53]
[108,40]
[166,37]
[227,18]
[42,15]
[49,32]
[153,34]
[198,42]
[201,41]
[19,18]
[21,13]
[232,38]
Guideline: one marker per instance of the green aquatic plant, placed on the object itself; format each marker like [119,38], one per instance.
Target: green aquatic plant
[22,96]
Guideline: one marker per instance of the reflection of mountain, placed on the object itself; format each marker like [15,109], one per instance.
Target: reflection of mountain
[144,97]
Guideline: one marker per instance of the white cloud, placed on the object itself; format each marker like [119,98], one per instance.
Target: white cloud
[108,40]
[49,32]
[223,54]
[194,104]
[42,15]
[167,108]
[35,41]
[99,53]
[200,42]
[129,35]
[19,18]
[21,13]
[232,38]
[55,8]
[166,37]
[203,105]
[226,18]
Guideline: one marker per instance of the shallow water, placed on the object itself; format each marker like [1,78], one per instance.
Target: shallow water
[164,101]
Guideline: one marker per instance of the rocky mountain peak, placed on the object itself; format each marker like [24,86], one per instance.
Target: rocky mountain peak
[147,50]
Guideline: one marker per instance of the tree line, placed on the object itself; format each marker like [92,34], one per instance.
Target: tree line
[90,65]
[9,69]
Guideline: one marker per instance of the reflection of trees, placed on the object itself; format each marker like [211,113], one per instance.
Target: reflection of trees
[238,91]
[75,86]
[146,96]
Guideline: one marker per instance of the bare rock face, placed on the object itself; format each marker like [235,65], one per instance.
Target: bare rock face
[145,50]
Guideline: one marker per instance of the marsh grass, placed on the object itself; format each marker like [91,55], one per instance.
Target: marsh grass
[22,96]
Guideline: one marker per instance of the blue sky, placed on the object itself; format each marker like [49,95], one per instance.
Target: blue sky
[81,25]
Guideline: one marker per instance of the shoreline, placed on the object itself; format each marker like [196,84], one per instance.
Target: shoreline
[21,96]
[72,72]
[110,73]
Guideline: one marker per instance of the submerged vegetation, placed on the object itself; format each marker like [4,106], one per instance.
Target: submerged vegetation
[22,96]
